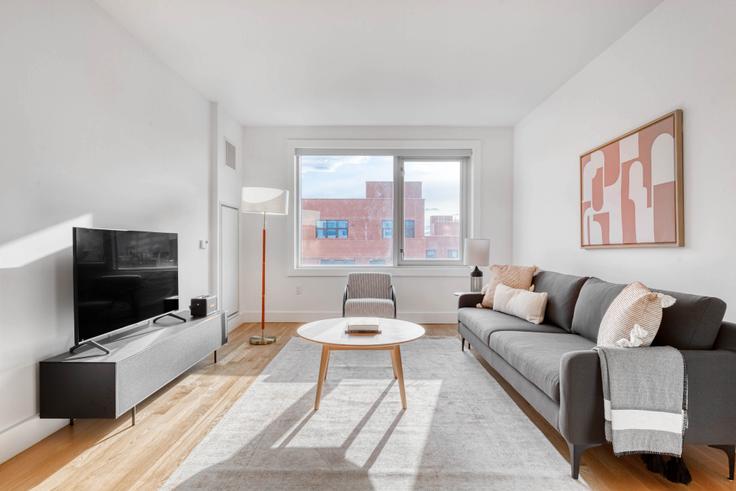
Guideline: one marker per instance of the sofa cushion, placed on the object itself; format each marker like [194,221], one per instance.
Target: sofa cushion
[482,322]
[692,322]
[369,307]
[537,355]
[595,297]
[562,293]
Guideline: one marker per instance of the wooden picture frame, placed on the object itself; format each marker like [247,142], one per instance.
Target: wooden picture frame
[631,188]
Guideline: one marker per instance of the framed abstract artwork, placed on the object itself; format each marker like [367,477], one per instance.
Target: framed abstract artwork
[631,188]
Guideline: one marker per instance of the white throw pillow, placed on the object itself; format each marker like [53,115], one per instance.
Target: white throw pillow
[520,303]
[632,320]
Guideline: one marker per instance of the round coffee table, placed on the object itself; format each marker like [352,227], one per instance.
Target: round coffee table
[330,333]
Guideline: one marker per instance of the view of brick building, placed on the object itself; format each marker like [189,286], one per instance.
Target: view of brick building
[360,230]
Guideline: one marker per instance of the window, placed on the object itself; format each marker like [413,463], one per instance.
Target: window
[348,205]
[387,229]
[331,229]
[409,229]
[433,197]
[337,261]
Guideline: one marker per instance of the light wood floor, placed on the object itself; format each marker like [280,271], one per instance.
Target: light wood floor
[104,454]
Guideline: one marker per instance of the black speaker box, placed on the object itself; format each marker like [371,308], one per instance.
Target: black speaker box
[203,305]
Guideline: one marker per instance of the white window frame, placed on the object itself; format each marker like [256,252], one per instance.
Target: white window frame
[403,150]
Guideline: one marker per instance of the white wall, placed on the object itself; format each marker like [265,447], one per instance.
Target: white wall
[679,56]
[267,162]
[91,126]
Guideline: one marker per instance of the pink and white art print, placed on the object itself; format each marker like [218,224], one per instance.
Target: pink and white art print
[631,188]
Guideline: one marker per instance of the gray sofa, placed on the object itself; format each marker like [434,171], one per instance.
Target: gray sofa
[553,366]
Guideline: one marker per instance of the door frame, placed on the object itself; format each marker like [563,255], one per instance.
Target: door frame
[220,261]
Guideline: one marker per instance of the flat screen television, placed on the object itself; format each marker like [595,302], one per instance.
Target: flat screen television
[122,277]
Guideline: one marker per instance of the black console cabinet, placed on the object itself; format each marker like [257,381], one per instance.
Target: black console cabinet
[91,384]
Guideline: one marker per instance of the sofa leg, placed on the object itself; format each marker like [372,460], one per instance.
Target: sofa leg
[462,344]
[576,452]
[731,454]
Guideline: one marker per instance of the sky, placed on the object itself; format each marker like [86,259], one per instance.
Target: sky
[344,177]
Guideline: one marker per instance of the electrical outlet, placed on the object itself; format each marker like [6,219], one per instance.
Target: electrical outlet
[299,290]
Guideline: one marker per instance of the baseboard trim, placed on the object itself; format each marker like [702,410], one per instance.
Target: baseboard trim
[21,436]
[309,316]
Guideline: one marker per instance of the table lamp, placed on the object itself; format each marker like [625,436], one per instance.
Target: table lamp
[265,201]
[477,252]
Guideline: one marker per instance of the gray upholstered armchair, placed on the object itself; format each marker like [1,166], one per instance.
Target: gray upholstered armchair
[369,295]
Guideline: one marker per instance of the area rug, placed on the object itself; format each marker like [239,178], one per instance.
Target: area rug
[460,430]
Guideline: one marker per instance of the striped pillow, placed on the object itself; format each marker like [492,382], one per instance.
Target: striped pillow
[633,318]
[513,276]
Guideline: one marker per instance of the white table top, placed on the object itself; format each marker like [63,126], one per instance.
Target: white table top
[332,331]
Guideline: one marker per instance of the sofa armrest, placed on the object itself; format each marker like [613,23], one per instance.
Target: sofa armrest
[581,398]
[711,396]
[469,300]
[726,337]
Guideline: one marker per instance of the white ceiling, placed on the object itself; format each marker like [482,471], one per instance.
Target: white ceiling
[378,62]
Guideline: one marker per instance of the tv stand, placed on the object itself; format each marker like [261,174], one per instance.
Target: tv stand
[88,383]
[169,314]
[91,343]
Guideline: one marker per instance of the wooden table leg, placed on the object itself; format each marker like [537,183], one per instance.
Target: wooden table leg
[399,373]
[322,374]
[327,363]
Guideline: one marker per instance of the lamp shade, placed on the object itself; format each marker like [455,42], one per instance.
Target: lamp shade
[477,252]
[270,201]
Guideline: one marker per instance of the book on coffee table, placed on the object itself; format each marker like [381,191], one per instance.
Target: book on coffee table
[362,325]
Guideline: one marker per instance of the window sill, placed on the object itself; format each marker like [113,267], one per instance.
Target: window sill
[398,271]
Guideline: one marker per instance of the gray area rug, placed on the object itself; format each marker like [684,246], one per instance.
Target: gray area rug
[460,431]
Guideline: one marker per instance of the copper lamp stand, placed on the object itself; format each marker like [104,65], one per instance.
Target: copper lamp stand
[263,339]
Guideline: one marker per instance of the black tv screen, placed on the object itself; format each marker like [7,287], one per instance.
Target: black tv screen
[122,277]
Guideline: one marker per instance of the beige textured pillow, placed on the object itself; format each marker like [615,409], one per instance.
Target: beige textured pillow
[520,303]
[514,276]
[633,318]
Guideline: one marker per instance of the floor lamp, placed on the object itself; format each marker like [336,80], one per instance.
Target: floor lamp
[265,201]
